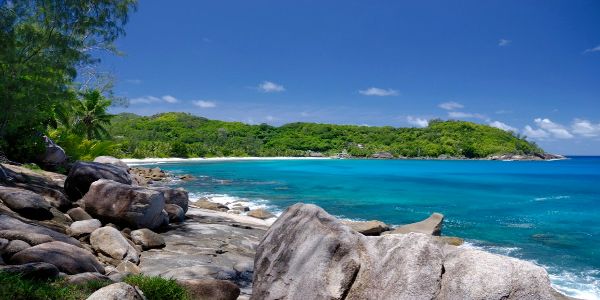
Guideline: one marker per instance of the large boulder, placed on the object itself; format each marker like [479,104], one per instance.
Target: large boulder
[373,227]
[83,174]
[308,254]
[113,246]
[177,196]
[123,204]
[26,203]
[109,160]
[54,156]
[260,213]
[147,239]
[431,226]
[10,223]
[204,204]
[473,274]
[36,270]
[117,291]
[67,258]
[47,184]
[211,289]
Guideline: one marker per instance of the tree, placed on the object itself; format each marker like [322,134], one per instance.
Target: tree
[43,46]
[90,117]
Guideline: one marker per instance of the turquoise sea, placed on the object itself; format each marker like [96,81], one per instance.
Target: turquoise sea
[545,212]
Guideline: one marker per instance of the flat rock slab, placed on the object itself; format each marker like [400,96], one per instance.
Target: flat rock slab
[30,238]
[10,223]
[431,226]
[207,246]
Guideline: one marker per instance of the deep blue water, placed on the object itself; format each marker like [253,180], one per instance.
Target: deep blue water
[546,212]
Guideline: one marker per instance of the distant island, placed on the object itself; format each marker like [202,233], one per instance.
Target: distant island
[184,135]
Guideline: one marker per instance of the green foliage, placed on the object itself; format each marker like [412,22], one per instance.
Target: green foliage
[89,115]
[32,166]
[43,44]
[15,287]
[185,135]
[79,148]
[158,288]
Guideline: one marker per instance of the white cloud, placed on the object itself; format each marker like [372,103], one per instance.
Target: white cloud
[270,118]
[535,133]
[144,100]
[585,128]
[465,115]
[502,126]
[134,81]
[204,103]
[451,105]
[418,122]
[504,42]
[373,91]
[558,131]
[503,112]
[270,87]
[169,99]
[152,99]
[595,49]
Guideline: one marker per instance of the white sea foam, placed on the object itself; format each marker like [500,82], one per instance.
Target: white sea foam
[552,198]
[502,250]
[582,285]
[228,200]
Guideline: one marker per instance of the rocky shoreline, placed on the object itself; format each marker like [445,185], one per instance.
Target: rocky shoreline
[106,220]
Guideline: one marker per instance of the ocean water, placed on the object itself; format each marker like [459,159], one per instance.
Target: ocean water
[545,212]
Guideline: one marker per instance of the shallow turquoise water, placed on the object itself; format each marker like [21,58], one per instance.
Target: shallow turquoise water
[546,212]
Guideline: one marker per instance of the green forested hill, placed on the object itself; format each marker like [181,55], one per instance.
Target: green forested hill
[185,135]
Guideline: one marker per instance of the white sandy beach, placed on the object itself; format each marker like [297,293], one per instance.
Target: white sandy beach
[135,161]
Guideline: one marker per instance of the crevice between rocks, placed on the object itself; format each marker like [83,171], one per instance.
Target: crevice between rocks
[350,283]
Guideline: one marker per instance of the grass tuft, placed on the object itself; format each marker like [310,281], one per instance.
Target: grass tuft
[15,287]
[158,287]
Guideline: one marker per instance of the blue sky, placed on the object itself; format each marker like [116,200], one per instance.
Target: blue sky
[528,66]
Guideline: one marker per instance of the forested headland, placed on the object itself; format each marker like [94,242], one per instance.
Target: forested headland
[186,135]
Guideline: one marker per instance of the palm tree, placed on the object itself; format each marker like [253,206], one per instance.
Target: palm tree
[89,115]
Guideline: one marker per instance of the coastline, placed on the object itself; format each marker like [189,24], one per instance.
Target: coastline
[157,160]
